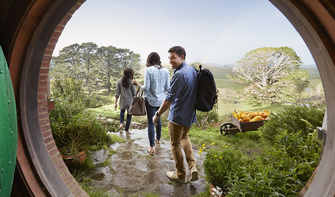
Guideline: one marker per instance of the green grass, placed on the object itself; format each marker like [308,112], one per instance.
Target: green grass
[108,111]
[225,84]
[245,142]
[105,111]
[116,138]
[216,77]
[313,72]
[314,82]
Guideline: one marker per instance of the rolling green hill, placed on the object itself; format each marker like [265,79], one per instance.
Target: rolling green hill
[313,72]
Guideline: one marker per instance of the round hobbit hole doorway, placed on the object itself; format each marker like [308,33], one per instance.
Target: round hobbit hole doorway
[73,45]
[309,28]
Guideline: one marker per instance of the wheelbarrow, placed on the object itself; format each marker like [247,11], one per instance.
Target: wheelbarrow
[235,126]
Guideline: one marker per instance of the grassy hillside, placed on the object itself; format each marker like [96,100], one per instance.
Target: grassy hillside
[226,84]
[313,73]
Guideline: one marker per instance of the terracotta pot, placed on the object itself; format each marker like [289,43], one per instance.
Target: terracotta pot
[211,187]
[51,105]
[73,162]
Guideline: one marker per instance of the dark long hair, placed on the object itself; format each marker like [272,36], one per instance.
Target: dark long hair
[153,59]
[128,74]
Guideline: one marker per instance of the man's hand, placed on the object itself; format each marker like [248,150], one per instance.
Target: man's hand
[115,106]
[155,119]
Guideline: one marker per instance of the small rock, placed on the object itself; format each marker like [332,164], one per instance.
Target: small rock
[113,193]
[99,156]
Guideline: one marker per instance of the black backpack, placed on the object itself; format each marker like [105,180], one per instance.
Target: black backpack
[207,94]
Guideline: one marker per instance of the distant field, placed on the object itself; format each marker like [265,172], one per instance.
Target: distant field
[313,72]
[220,76]
[225,84]
[314,82]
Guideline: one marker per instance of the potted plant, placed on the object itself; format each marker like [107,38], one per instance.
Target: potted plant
[73,128]
[72,138]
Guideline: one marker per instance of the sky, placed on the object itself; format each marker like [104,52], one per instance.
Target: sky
[211,31]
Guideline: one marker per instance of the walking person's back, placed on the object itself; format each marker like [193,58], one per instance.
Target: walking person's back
[156,84]
[125,92]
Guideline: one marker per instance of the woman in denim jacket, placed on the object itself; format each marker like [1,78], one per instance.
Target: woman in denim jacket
[156,84]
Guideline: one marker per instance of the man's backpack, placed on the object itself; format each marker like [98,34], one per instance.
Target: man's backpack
[206,91]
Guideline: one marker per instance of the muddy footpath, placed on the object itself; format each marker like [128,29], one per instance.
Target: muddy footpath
[131,171]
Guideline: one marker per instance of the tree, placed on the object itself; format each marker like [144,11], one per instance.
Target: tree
[129,59]
[273,75]
[68,62]
[108,69]
[87,52]
[98,68]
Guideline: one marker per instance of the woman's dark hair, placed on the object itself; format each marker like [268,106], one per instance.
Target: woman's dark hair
[153,59]
[128,74]
[179,50]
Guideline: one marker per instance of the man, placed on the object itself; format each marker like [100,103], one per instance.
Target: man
[180,98]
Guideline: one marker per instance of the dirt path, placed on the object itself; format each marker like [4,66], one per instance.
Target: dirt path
[132,171]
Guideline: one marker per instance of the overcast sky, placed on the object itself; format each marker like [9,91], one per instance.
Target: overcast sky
[211,31]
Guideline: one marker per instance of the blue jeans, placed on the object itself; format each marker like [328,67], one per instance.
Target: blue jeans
[128,119]
[151,127]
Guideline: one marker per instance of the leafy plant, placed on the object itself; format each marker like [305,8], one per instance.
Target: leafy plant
[73,128]
[293,119]
[282,168]
[220,164]
[68,88]
[205,118]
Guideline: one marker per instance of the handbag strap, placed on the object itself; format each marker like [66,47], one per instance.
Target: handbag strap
[138,89]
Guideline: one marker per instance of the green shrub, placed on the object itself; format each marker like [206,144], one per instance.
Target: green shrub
[292,119]
[205,118]
[271,173]
[81,131]
[62,115]
[68,88]
[298,145]
[220,164]
[280,169]
[73,128]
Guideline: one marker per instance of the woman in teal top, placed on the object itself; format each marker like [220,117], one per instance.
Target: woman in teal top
[156,84]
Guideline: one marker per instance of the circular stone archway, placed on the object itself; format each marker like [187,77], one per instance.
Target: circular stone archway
[33,29]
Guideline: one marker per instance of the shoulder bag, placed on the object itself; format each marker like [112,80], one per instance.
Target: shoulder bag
[137,107]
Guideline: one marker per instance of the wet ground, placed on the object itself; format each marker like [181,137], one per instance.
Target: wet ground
[131,171]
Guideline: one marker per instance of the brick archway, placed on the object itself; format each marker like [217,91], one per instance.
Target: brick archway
[40,169]
[28,37]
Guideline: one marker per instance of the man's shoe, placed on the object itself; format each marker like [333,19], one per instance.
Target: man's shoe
[174,176]
[194,174]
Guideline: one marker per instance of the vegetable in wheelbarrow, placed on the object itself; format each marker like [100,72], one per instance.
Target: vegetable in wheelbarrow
[251,116]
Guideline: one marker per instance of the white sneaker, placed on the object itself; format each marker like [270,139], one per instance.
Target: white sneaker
[174,176]
[194,174]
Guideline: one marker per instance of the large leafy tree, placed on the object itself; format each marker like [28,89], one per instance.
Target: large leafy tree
[273,75]
[109,68]
[129,59]
[68,62]
[98,68]
[88,59]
